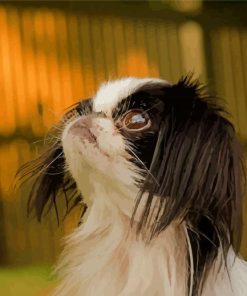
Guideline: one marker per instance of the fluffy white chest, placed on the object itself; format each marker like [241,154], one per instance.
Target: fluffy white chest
[104,257]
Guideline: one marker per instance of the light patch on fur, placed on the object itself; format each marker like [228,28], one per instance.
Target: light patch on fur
[104,257]
[232,283]
[112,92]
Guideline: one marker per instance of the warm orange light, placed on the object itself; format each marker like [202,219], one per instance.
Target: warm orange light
[51,58]
[192,49]
[8,110]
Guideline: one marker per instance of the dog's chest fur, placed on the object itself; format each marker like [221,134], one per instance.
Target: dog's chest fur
[104,257]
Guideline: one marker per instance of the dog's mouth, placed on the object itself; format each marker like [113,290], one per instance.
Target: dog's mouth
[84,133]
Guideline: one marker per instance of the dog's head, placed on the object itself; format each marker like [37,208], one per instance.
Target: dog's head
[154,143]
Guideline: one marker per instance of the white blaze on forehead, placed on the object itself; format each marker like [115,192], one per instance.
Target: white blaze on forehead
[112,92]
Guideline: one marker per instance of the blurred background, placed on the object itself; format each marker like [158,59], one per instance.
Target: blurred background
[53,54]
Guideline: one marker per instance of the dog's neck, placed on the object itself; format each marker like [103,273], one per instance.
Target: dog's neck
[104,254]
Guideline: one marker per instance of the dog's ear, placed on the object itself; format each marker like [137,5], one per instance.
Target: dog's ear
[198,166]
[49,180]
[48,172]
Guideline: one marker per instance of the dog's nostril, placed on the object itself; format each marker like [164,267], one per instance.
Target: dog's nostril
[81,128]
[80,124]
[100,113]
[84,121]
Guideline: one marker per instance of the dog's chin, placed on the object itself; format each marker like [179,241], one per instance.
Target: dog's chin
[92,168]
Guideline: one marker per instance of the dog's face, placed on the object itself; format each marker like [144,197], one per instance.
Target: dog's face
[109,140]
[146,138]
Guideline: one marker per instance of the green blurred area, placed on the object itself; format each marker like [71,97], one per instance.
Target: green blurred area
[28,281]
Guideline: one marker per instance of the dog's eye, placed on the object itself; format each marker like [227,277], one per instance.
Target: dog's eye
[135,120]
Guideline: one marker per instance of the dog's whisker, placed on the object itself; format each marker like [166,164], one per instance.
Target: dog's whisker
[142,163]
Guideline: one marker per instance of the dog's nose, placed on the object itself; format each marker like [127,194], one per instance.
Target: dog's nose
[84,121]
[82,128]
[100,114]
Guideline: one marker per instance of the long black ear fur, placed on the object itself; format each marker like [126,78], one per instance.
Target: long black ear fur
[50,177]
[198,166]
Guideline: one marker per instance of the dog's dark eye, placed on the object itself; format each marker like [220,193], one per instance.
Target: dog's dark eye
[135,120]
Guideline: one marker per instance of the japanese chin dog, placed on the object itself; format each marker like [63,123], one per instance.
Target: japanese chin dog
[161,172]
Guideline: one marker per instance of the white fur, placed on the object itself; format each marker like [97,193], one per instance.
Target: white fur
[104,256]
[112,92]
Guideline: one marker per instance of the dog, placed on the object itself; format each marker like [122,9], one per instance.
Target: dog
[160,170]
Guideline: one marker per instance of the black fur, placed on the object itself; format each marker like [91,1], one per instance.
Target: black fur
[151,102]
[50,177]
[197,163]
